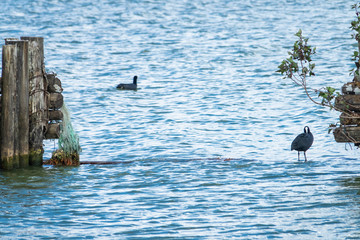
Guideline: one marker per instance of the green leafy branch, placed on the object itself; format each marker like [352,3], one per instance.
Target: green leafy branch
[300,55]
[299,66]
[355,26]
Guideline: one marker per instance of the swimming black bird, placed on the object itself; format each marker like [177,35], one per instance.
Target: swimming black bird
[303,142]
[128,86]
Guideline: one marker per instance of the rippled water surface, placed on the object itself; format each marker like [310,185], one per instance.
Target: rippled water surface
[204,144]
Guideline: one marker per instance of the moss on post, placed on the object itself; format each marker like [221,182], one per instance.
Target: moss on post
[7,163]
[36,157]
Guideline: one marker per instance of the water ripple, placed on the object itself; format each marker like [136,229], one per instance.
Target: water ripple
[204,144]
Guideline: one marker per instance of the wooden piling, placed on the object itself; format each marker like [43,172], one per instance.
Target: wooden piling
[29,105]
[14,111]
[38,99]
[23,96]
[7,108]
[8,40]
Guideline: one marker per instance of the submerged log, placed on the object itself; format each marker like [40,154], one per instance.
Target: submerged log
[347,134]
[37,100]
[104,162]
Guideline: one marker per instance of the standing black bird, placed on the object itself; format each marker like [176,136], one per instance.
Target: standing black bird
[128,86]
[303,142]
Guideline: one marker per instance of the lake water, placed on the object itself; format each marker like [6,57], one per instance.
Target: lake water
[204,144]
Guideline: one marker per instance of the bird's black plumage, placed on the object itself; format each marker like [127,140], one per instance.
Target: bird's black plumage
[303,142]
[128,86]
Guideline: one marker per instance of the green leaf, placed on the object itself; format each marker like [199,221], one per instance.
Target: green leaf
[305,70]
[330,90]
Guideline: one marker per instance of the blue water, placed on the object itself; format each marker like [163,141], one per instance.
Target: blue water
[208,93]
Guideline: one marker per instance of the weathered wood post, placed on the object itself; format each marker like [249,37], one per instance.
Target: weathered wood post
[37,99]
[7,108]
[23,102]
[15,108]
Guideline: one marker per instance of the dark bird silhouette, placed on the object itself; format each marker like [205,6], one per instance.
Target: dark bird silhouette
[128,86]
[303,142]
